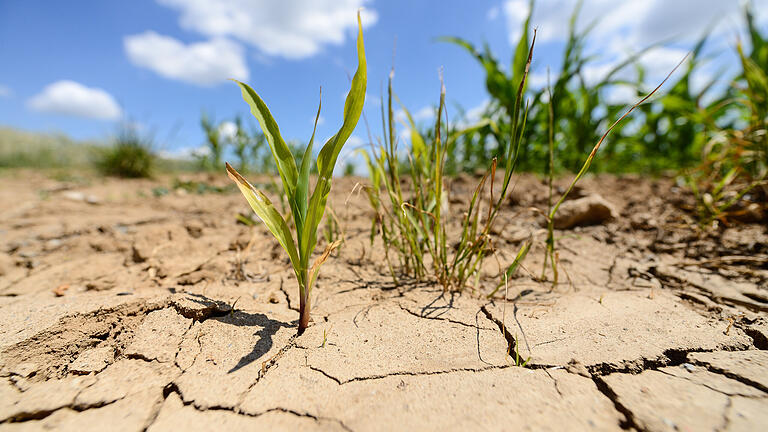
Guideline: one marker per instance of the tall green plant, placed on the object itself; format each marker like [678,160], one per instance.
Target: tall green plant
[307,209]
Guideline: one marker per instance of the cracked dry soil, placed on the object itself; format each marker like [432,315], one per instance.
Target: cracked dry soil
[153,313]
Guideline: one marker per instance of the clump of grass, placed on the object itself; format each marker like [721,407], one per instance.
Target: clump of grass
[131,156]
[307,209]
[413,225]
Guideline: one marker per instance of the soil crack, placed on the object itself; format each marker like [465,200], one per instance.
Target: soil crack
[710,387]
[437,318]
[732,376]
[173,388]
[404,373]
[629,422]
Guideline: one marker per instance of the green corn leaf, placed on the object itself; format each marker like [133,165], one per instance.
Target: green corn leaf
[302,186]
[268,214]
[286,164]
[326,160]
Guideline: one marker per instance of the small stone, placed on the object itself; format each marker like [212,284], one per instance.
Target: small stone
[194,229]
[590,210]
[575,367]
[273,298]
[80,196]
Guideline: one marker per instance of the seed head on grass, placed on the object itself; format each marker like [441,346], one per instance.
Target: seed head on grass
[307,210]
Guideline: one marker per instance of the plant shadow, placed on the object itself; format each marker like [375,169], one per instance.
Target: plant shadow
[229,314]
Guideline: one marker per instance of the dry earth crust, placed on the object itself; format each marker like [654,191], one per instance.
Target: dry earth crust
[130,312]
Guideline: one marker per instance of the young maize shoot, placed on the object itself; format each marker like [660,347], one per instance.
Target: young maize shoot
[307,209]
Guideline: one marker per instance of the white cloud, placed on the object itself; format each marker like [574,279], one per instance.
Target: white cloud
[493,13]
[291,29]
[349,155]
[227,130]
[474,114]
[537,80]
[202,63]
[516,11]
[354,142]
[638,22]
[594,73]
[423,114]
[186,153]
[621,94]
[74,99]
[5,91]
[663,58]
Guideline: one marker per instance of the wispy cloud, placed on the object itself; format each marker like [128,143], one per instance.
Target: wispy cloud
[5,91]
[638,23]
[202,63]
[291,29]
[74,99]
[627,27]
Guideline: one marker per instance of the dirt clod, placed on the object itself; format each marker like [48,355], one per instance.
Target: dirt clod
[589,210]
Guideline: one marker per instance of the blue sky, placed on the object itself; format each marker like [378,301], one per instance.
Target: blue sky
[81,67]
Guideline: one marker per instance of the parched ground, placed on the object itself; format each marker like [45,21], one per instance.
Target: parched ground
[122,310]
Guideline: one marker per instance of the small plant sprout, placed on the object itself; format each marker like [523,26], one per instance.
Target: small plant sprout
[307,209]
[552,209]
[519,360]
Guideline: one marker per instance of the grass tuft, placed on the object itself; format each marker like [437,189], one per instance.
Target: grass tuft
[130,156]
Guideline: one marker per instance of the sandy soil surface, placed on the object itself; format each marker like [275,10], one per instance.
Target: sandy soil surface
[122,310]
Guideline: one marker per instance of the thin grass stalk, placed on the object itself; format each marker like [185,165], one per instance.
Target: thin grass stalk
[592,154]
[550,246]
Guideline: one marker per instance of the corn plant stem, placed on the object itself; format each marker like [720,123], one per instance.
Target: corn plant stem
[304,301]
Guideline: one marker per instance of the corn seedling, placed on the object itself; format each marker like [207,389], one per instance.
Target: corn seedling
[213,140]
[240,142]
[307,209]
